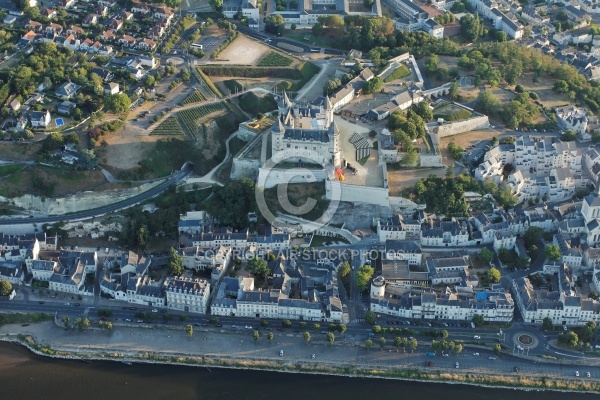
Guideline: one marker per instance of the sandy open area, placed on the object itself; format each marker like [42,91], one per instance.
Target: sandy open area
[464,140]
[242,51]
[401,179]
[126,148]
[543,87]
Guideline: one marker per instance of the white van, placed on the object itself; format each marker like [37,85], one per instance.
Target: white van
[280,353]
[107,250]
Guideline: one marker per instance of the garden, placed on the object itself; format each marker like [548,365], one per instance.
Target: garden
[169,127]
[189,118]
[275,59]
[195,97]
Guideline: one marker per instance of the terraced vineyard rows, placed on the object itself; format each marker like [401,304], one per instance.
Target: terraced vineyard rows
[169,126]
[189,118]
[195,97]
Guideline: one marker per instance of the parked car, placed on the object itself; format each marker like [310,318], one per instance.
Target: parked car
[477,337]
[457,365]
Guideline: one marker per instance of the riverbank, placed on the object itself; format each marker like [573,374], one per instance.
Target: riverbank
[341,367]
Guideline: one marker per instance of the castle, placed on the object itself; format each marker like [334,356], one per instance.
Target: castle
[306,133]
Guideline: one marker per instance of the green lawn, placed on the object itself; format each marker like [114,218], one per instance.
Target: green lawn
[10,169]
[299,35]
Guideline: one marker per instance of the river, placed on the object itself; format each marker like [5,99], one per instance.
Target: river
[24,375]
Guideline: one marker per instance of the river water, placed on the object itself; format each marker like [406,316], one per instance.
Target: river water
[24,375]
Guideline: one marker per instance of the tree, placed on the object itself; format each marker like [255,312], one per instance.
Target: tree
[458,348]
[485,255]
[363,276]
[286,323]
[569,339]
[307,337]
[397,342]
[96,82]
[149,81]
[341,328]
[410,158]
[330,338]
[532,236]
[552,252]
[370,317]
[444,334]
[455,151]
[413,344]
[453,91]
[382,342]
[569,136]
[316,326]
[497,349]
[547,324]
[255,336]
[274,24]
[368,344]
[344,269]
[373,85]
[472,27]
[117,103]
[478,320]
[588,332]
[487,102]
[431,65]
[66,321]
[189,330]
[270,336]
[175,263]
[6,287]
[423,110]
[494,275]
[258,267]
[217,5]
[185,74]
[596,136]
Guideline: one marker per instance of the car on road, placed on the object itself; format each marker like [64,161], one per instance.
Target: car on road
[41,302]
[565,328]
[491,358]
[127,320]
[77,304]
[67,304]
[576,373]
[219,325]
[476,337]
[476,354]
[457,365]
[445,355]
[313,357]
[154,310]
[588,374]
[280,353]
[133,308]
[248,327]
[28,325]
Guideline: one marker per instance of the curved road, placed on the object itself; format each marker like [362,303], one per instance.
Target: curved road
[174,179]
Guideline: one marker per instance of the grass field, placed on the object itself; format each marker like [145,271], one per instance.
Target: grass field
[10,169]
[254,104]
[398,73]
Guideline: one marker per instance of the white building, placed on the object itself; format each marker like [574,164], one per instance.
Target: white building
[189,295]
[562,305]
[404,250]
[71,271]
[398,228]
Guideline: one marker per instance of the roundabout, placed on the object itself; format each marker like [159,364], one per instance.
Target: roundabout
[525,339]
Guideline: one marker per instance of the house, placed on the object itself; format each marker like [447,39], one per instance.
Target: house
[71,43]
[115,24]
[10,19]
[65,107]
[146,44]
[56,28]
[112,88]
[48,13]
[163,12]
[148,61]
[127,41]
[104,49]
[67,3]
[139,8]
[34,26]
[101,10]
[21,123]
[86,45]
[125,15]
[75,30]
[67,90]
[156,32]
[108,35]
[108,3]
[12,271]
[40,119]
[105,74]
[89,20]
[136,73]
[14,105]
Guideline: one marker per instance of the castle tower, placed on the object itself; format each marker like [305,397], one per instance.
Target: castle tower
[378,287]
[334,144]
[277,132]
